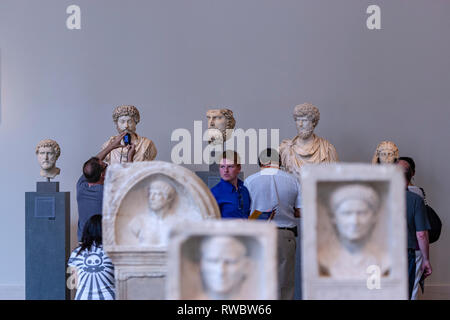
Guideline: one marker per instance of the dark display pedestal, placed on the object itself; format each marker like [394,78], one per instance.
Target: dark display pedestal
[47,242]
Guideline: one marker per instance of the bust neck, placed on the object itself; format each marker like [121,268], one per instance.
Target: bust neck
[51,173]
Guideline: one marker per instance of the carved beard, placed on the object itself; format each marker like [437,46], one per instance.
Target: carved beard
[215,136]
[47,165]
[303,134]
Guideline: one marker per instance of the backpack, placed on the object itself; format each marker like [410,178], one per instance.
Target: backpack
[433,219]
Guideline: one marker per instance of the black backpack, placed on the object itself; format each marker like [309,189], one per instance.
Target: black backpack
[433,219]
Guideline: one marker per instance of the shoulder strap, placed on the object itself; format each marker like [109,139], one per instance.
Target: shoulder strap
[424,196]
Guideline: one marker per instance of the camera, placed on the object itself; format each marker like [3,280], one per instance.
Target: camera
[127,139]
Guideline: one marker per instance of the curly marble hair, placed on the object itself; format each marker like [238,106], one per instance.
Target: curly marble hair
[307,110]
[126,110]
[49,143]
[228,114]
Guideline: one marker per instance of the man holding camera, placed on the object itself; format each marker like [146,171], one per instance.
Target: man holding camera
[90,184]
[126,118]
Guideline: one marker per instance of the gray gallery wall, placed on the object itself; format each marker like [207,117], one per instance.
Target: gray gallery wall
[173,59]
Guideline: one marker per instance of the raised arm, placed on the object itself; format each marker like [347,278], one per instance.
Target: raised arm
[114,144]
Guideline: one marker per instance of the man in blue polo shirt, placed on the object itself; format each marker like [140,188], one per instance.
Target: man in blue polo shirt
[231,195]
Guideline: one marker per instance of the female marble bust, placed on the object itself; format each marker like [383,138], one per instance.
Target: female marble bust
[386,153]
[353,210]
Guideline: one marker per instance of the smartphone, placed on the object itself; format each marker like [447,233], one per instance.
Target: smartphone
[127,139]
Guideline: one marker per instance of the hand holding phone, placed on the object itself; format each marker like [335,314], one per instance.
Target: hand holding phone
[127,139]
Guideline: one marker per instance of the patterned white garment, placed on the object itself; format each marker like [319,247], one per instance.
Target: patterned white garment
[95,273]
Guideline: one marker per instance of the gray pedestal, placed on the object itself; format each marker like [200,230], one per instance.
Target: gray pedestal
[47,242]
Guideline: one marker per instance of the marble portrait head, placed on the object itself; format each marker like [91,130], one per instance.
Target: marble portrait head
[126,118]
[48,152]
[223,265]
[160,197]
[306,117]
[386,153]
[353,210]
[220,123]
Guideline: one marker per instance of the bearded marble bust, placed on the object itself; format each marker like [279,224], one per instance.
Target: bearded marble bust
[386,153]
[48,152]
[221,123]
[306,147]
[126,118]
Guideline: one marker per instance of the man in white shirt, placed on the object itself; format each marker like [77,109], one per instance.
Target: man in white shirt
[272,189]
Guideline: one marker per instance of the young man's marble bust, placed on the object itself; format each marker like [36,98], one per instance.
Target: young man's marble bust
[151,228]
[48,152]
[126,118]
[306,147]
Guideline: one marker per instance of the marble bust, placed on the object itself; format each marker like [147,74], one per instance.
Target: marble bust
[220,125]
[148,228]
[386,153]
[306,147]
[48,152]
[224,266]
[126,118]
[353,211]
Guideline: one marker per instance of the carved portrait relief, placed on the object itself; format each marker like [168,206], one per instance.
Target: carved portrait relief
[222,260]
[144,199]
[354,232]
[353,210]
[224,266]
[149,228]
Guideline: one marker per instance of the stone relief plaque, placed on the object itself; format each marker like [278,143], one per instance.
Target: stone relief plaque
[354,232]
[141,201]
[222,260]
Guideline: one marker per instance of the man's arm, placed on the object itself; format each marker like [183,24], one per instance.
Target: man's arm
[422,227]
[297,212]
[114,144]
[424,245]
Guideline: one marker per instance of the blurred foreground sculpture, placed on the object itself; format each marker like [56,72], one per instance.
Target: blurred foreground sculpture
[141,202]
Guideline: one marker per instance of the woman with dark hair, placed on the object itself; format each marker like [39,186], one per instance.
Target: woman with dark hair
[94,269]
